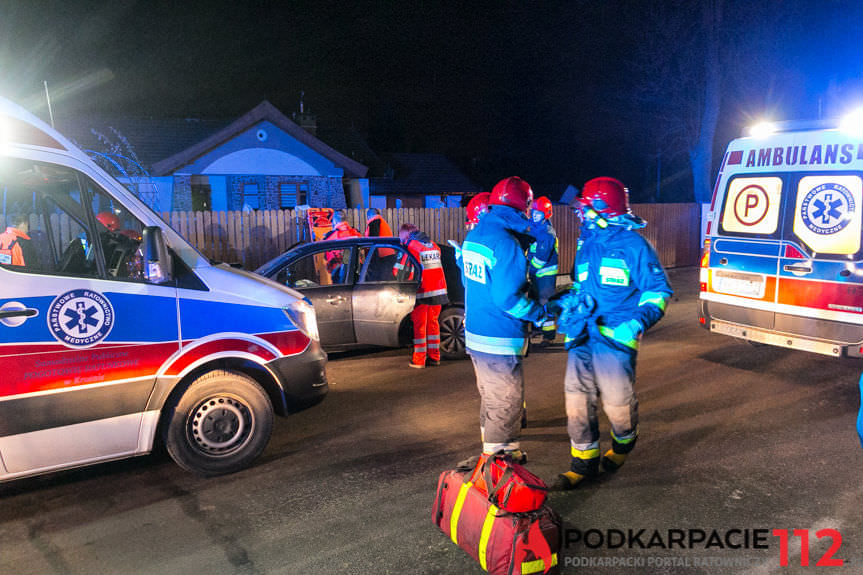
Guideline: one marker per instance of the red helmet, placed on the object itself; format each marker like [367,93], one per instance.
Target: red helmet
[543,205]
[607,196]
[513,192]
[109,220]
[477,206]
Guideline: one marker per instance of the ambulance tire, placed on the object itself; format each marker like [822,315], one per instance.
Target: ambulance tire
[219,425]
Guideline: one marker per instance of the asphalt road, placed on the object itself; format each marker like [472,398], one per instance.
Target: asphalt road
[733,437]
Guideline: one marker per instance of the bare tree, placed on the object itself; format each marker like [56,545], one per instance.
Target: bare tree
[677,66]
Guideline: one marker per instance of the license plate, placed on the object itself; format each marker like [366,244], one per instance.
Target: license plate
[736,283]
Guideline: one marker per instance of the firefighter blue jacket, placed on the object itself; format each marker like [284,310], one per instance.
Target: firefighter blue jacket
[497,309]
[620,270]
[543,258]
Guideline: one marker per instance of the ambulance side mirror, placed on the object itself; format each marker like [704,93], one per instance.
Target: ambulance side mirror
[157,261]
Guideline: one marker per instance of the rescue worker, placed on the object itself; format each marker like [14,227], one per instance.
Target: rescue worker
[543,255]
[341,230]
[620,290]
[376,225]
[498,312]
[15,243]
[431,295]
[476,208]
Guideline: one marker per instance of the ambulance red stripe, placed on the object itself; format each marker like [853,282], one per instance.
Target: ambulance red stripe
[821,295]
[288,343]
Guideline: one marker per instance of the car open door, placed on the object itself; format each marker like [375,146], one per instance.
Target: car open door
[385,293]
[325,278]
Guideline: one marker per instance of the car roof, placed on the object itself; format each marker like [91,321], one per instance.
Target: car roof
[311,247]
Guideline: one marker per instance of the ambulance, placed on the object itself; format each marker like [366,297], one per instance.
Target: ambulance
[782,262]
[116,335]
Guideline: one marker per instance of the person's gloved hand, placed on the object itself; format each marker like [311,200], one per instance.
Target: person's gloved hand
[546,315]
[627,332]
[456,247]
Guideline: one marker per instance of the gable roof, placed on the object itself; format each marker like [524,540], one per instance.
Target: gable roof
[264,111]
[143,139]
[423,174]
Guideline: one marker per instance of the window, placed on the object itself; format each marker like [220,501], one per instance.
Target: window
[293,194]
[51,225]
[201,194]
[752,205]
[119,234]
[251,197]
[386,264]
[827,214]
[318,269]
[45,228]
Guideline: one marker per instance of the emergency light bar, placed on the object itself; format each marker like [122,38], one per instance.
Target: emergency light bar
[762,129]
[851,124]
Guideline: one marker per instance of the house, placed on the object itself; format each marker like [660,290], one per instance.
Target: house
[261,160]
[420,181]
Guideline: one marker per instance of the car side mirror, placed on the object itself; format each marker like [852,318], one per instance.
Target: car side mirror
[157,261]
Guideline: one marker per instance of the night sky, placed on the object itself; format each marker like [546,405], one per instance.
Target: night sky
[555,92]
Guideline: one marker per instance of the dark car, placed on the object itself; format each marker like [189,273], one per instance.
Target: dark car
[361,298]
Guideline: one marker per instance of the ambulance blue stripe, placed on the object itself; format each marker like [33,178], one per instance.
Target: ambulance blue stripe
[138,318]
[747,247]
[202,318]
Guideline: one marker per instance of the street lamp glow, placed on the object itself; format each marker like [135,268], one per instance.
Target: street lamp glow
[762,129]
[852,124]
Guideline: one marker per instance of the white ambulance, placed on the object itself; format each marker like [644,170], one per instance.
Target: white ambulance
[115,333]
[783,263]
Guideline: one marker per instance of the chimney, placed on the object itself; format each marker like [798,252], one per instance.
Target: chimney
[308,122]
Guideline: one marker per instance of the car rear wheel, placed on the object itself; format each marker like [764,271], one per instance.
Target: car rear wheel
[220,424]
[452,333]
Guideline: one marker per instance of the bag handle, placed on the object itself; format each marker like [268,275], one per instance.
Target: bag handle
[492,487]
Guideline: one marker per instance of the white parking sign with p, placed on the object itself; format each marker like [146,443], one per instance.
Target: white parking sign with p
[752,205]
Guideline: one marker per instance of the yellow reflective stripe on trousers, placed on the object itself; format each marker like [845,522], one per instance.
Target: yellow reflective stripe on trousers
[486,533]
[585,453]
[537,566]
[456,511]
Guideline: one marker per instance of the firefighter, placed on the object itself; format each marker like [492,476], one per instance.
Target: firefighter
[498,312]
[620,290]
[543,255]
[476,208]
[15,243]
[431,295]
[376,225]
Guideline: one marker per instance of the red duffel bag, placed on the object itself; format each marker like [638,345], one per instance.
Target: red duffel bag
[507,484]
[503,543]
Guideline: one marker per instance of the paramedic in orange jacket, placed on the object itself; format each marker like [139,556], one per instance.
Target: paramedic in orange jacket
[376,225]
[13,241]
[341,230]
[431,295]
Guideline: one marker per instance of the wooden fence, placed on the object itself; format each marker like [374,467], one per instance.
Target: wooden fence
[252,238]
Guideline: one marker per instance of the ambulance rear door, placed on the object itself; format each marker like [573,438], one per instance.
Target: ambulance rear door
[744,254]
[820,289]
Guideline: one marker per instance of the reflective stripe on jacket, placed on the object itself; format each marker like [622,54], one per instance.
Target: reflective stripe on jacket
[10,250]
[621,270]
[498,310]
[432,289]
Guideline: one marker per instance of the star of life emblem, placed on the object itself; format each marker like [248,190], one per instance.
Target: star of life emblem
[827,209]
[80,318]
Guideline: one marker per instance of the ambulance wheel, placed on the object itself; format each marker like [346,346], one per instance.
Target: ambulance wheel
[451,322]
[219,425]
